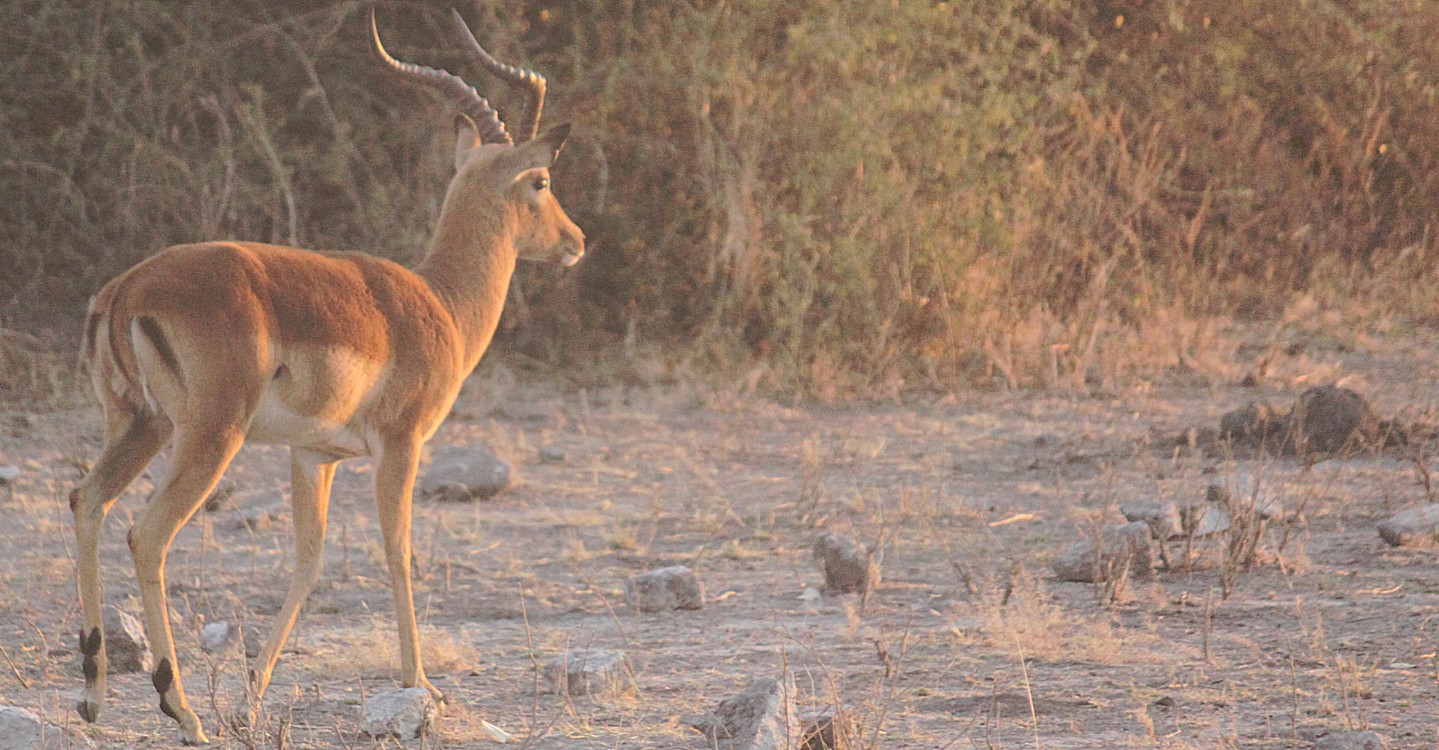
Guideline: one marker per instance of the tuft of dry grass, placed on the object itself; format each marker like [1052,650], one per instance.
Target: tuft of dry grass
[373,651]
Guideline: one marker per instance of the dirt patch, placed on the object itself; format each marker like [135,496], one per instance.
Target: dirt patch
[966,641]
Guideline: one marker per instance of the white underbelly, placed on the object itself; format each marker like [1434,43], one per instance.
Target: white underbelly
[315,399]
[276,423]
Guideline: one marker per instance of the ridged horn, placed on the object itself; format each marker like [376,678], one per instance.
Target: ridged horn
[462,94]
[532,82]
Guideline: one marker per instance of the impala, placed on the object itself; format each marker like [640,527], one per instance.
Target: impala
[333,354]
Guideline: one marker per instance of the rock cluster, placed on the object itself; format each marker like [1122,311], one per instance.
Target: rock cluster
[1325,420]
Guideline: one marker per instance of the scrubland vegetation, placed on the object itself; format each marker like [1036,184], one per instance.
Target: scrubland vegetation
[980,209]
[836,198]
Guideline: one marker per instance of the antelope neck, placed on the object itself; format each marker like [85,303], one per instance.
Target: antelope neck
[468,267]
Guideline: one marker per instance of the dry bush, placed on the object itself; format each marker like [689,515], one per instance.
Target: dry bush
[31,371]
[815,198]
[1027,620]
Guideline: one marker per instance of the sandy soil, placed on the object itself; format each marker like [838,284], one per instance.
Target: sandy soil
[967,642]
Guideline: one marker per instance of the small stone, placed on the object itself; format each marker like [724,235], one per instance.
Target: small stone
[1199,520]
[475,474]
[256,519]
[8,474]
[588,672]
[761,717]
[829,728]
[22,730]
[1415,527]
[254,639]
[1161,517]
[675,587]
[1351,741]
[1126,545]
[406,714]
[222,498]
[847,565]
[216,635]
[1251,424]
[549,454]
[1242,492]
[126,646]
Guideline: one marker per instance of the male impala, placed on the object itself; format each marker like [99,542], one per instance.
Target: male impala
[334,354]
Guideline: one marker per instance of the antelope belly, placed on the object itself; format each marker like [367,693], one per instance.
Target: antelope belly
[313,400]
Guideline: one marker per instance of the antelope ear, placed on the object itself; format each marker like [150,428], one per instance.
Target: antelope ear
[554,138]
[467,136]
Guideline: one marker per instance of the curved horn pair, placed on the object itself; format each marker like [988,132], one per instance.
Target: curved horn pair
[469,101]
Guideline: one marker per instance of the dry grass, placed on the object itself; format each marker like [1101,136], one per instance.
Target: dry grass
[802,203]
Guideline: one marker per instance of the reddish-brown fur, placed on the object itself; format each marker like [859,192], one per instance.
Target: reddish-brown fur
[333,354]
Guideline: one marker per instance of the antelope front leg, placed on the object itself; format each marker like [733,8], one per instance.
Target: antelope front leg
[394,483]
[311,476]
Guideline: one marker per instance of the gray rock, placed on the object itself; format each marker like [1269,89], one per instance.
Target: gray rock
[1251,424]
[474,474]
[218,635]
[675,587]
[1126,545]
[406,714]
[223,498]
[549,454]
[1243,492]
[1416,527]
[8,475]
[257,519]
[1331,418]
[22,730]
[1162,517]
[829,728]
[1169,521]
[588,672]
[762,717]
[126,645]
[1325,419]
[1199,520]
[847,565]
[1352,741]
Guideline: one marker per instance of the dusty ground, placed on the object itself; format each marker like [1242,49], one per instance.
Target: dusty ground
[1334,631]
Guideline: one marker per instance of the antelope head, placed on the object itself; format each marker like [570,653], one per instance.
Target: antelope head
[491,166]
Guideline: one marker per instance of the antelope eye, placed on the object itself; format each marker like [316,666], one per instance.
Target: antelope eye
[541,184]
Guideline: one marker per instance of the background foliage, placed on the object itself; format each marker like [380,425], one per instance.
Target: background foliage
[829,196]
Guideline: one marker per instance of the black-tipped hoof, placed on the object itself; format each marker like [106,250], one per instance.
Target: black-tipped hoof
[88,711]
